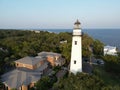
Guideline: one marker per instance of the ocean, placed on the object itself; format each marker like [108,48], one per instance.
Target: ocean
[107,36]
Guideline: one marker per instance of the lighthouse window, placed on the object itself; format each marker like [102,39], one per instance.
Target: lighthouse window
[74,61]
[75,42]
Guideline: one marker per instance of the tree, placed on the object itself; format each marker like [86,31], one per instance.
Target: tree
[98,48]
[80,81]
[112,64]
[43,83]
[66,51]
[87,41]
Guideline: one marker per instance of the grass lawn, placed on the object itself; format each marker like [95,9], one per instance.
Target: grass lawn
[109,78]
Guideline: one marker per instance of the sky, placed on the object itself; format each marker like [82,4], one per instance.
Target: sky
[59,14]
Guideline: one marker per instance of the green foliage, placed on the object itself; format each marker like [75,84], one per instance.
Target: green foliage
[111,58]
[19,43]
[13,89]
[98,48]
[111,80]
[1,85]
[45,83]
[57,68]
[87,42]
[116,87]
[112,64]
[81,81]
[66,51]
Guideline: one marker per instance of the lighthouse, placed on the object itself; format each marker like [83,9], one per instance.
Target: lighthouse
[76,52]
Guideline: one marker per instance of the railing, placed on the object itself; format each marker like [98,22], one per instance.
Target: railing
[77,33]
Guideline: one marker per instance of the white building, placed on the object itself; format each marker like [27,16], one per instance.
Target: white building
[76,53]
[110,50]
[63,41]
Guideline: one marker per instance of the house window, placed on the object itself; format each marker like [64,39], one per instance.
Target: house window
[75,42]
[74,61]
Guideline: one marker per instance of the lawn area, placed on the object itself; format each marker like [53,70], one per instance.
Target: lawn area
[109,78]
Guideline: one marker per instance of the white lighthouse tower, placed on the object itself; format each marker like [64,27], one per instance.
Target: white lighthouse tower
[76,53]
